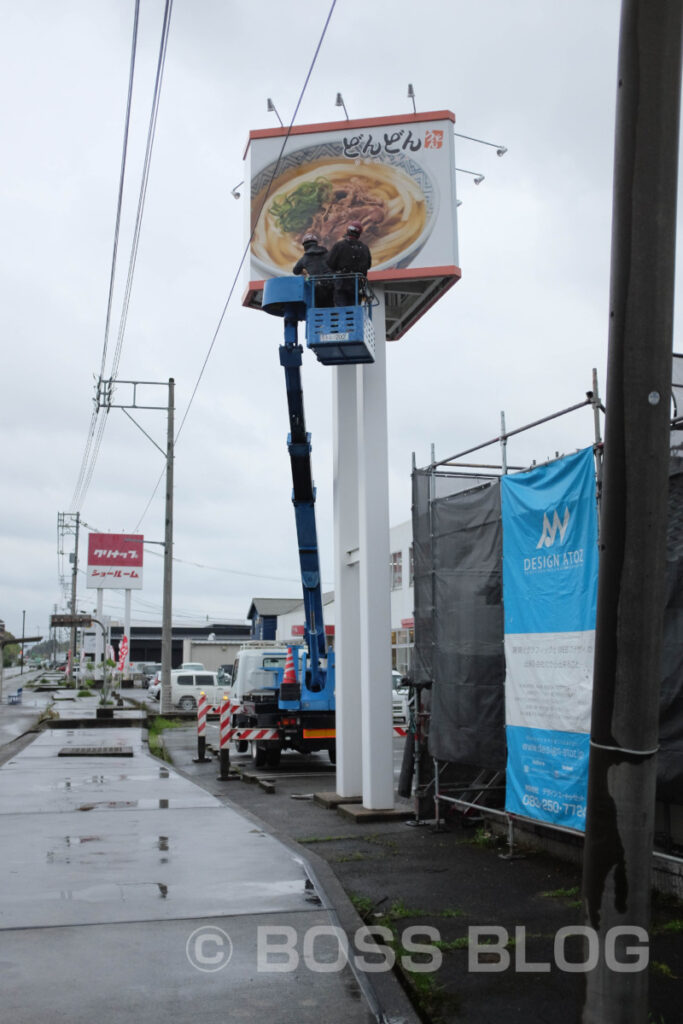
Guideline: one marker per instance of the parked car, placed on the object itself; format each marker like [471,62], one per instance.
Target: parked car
[187,685]
[399,702]
[154,687]
[191,666]
[149,672]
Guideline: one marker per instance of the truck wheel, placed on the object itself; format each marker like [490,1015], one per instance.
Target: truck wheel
[241,746]
[258,755]
[332,753]
[187,704]
[273,756]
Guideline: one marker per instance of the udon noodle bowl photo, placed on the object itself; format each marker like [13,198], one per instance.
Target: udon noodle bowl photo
[323,196]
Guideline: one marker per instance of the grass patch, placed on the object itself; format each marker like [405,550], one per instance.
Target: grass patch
[429,997]
[363,904]
[562,894]
[663,970]
[377,840]
[398,911]
[432,999]
[85,693]
[310,840]
[484,839]
[154,738]
[670,928]
[344,858]
[448,947]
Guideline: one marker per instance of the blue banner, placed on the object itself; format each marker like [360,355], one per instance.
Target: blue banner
[550,573]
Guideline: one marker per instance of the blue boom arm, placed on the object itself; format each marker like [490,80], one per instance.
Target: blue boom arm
[287,297]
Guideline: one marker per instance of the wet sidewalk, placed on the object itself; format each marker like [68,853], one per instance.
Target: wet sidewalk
[127,892]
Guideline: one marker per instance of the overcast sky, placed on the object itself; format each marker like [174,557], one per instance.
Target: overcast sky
[521,332]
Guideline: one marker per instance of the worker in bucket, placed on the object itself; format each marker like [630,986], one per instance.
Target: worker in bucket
[349,256]
[313,263]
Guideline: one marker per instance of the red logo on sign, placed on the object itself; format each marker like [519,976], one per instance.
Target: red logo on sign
[433,138]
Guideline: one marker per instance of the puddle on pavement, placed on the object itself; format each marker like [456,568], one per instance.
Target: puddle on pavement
[111,893]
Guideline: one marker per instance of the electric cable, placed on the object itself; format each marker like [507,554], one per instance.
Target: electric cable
[112,275]
[87,476]
[247,246]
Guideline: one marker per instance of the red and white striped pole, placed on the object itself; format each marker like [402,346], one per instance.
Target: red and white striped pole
[224,738]
[202,710]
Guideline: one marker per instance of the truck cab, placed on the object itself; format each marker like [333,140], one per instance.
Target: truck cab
[296,717]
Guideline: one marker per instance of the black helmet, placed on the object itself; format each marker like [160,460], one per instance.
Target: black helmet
[354,229]
[310,239]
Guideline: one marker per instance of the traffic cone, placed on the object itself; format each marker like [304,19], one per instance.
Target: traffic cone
[290,673]
[290,689]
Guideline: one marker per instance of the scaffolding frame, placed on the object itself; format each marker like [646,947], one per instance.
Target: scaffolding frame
[473,794]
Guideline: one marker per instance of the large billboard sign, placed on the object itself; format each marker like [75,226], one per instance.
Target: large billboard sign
[394,175]
[115,561]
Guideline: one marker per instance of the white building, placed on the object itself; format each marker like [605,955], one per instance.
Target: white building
[289,615]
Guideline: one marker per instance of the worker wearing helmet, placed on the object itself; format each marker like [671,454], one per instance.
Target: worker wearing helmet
[313,263]
[349,256]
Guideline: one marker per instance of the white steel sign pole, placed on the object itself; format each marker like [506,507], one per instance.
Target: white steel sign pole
[375,593]
[347,580]
[99,635]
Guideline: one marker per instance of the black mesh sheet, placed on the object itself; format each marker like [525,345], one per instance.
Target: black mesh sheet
[670,758]
[459,616]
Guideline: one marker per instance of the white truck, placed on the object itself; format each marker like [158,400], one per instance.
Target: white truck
[301,719]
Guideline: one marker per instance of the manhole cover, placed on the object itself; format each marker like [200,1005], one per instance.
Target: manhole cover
[96,752]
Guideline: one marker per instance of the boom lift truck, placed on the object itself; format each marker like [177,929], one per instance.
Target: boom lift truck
[297,709]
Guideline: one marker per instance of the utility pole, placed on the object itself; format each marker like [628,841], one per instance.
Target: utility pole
[69,522]
[105,391]
[23,631]
[631,589]
[74,580]
[167,606]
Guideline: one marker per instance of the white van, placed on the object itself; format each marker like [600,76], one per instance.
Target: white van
[187,685]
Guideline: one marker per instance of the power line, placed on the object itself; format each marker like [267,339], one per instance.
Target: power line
[200,565]
[87,476]
[248,245]
[112,274]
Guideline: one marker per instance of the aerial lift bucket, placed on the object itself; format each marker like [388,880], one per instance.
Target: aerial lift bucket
[341,334]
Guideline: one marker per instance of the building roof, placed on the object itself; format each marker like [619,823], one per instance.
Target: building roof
[272,606]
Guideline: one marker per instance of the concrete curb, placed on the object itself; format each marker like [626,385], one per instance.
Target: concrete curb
[384,993]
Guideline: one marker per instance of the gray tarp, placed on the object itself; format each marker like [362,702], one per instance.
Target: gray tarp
[459,623]
[459,618]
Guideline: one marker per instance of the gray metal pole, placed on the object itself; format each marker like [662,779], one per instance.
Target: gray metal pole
[167,610]
[74,582]
[624,731]
[23,634]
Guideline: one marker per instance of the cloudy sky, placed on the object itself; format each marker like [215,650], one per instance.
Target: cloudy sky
[521,332]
